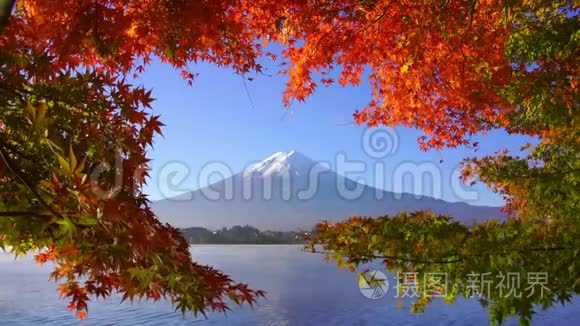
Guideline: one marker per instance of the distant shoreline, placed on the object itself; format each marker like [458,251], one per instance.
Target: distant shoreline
[245,244]
[242,235]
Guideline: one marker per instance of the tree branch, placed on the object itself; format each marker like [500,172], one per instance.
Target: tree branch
[23,214]
[30,188]
[407,260]
[449,261]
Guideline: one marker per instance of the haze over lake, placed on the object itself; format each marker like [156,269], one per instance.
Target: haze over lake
[302,290]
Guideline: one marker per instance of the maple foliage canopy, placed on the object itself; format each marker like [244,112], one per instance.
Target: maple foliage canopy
[435,65]
[74,133]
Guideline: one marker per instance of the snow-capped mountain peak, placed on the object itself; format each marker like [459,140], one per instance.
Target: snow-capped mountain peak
[295,203]
[281,164]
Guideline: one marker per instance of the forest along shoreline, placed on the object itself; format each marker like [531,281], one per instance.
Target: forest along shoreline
[242,235]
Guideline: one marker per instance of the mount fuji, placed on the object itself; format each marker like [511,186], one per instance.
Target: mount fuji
[289,191]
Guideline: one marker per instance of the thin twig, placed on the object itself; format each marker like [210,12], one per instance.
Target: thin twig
[248,92]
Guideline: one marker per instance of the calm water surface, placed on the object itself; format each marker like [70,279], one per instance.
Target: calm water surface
[302,290]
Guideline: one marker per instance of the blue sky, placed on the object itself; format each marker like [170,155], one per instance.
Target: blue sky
[213,120]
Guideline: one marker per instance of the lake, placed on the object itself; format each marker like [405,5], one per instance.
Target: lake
[302,290]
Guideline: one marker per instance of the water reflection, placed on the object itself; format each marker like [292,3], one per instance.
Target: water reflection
[302,290]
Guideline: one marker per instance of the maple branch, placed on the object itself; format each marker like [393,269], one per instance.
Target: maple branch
[403,259]
[30,188]
[23,214]
[534,173]
[10,90]
[5,12]
[449,261]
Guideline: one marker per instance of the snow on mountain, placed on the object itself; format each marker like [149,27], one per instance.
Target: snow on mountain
[278,193]
[280,164]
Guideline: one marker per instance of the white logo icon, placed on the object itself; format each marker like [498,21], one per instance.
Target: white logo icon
[373,284]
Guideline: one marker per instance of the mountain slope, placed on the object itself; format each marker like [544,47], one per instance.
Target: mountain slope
[289,191]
